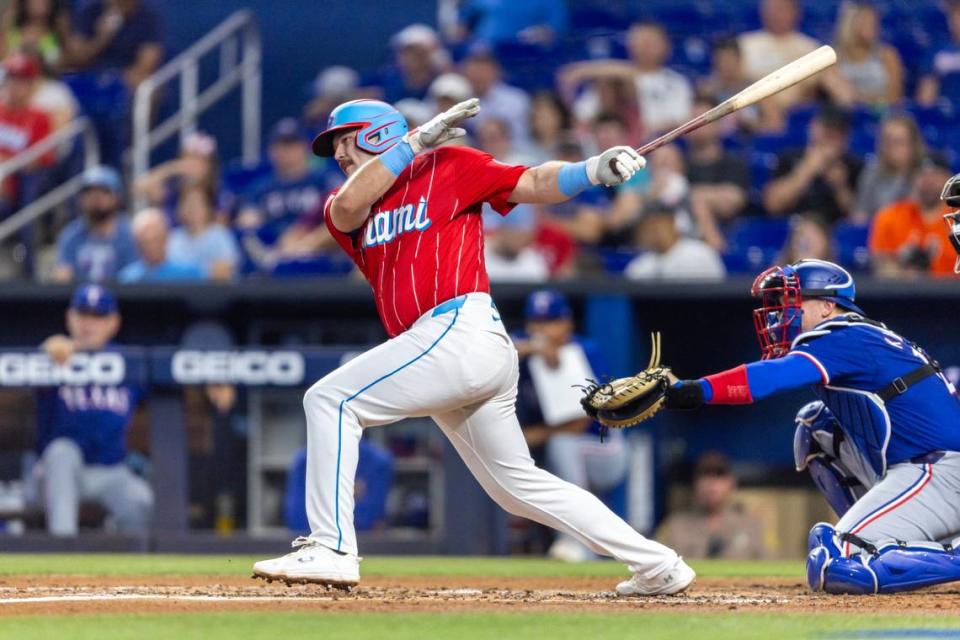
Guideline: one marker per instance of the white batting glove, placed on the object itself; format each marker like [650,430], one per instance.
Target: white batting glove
[614,166]
[442,127]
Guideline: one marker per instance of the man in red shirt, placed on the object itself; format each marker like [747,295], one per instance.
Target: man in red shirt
[409,217]
[21,125]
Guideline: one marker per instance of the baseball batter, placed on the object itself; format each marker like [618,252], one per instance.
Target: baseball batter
[409,217]
[882,443]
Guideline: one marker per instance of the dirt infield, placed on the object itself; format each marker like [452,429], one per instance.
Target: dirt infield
[38,595]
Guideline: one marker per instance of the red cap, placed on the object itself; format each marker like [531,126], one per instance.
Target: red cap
[21,65]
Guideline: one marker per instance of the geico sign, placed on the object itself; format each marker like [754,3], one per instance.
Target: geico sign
[37,370]
[241,367]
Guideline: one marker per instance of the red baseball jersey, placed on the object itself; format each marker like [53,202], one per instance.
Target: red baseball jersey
[423,241]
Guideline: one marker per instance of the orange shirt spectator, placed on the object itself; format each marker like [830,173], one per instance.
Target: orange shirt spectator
[902,227]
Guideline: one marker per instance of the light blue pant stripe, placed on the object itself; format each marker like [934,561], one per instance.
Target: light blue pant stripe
[336,501]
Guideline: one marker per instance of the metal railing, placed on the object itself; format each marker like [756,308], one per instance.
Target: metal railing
[65,136]
[238,41]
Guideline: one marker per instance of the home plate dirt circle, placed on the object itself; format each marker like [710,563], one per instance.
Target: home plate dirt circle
[33,595]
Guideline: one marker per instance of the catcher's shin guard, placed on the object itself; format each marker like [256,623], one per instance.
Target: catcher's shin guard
[835,485]
[890,568]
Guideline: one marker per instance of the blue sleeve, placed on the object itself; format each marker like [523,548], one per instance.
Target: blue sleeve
[770,377]
[838,354]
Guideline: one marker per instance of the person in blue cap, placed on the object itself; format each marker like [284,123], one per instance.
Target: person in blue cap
[290,193]
[99,243]
[81,428]
[572,446]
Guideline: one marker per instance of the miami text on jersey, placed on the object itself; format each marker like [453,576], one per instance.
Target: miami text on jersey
[386,226]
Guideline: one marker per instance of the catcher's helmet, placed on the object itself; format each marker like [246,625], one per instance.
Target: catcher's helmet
[380,126]
[782,290]
[951,196]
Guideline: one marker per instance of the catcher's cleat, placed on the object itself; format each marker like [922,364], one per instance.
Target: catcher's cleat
[311,563]
[666,583]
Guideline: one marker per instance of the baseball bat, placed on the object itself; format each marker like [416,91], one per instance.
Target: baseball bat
[775,82]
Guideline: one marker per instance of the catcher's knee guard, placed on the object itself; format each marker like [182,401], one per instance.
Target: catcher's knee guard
[891,567]
[817,448]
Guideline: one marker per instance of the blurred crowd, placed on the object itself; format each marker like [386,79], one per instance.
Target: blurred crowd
[847,166]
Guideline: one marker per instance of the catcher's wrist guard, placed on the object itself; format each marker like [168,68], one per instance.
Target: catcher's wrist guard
[686,395]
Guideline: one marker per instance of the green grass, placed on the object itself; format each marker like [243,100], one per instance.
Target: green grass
[156,564]
[465,626]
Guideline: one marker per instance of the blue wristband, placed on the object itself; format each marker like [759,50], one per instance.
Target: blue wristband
[572,179]
[397,157]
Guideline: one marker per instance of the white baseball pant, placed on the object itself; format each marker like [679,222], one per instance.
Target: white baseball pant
[457,365]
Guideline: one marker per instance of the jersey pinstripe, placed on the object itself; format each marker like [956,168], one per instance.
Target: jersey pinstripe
[422,243]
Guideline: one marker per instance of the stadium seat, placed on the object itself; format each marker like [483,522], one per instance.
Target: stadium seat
[850,242]
[754,243]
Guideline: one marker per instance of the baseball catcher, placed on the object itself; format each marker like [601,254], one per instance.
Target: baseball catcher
[882,443]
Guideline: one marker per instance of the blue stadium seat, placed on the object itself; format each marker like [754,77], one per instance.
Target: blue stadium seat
[754,244]
[850,241]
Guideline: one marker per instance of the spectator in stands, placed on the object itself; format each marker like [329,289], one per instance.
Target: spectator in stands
[201,240]
[550,123]
[98,244]
[666,187]
[500,21]
[333,86]
[870,71]
[494,136]
[774,45]
[120,35]
[197,166]
[728,78]
[292,189]
[715,527]
[888,176]
[53,97]
[809,238]
[719,179]
[21,126]
[509,250]
[669,255]
[626,200]
[664,97]
[550,351]
[497,98]
[941,76]
[822,177]
[906,238]
[447,90]
[419,57]
[41,26]
[581,217]
[81,428]
[151,231]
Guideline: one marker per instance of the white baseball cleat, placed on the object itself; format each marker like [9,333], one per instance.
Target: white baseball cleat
[311,563]
[674,580]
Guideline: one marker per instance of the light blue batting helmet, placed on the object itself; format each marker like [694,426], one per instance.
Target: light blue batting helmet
[380,126]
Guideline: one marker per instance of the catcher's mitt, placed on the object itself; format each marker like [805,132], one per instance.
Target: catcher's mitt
[628,401]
